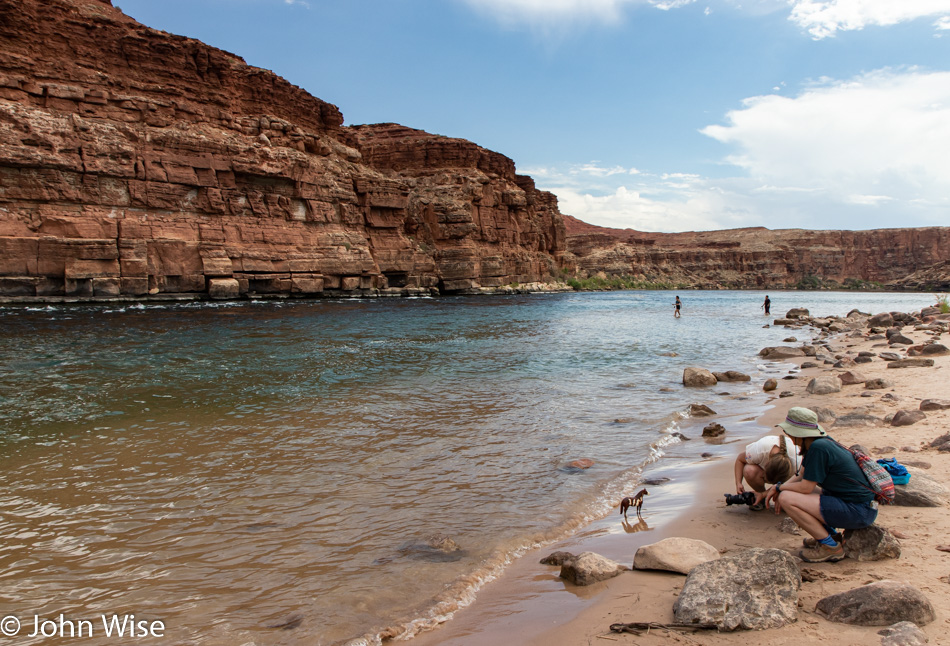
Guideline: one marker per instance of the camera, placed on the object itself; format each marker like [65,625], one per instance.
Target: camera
[747,498]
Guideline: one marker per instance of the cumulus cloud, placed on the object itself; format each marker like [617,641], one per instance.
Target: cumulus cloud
[867,152]
[822,18]
[882,135]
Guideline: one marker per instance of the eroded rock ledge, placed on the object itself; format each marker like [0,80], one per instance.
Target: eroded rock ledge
[135,163]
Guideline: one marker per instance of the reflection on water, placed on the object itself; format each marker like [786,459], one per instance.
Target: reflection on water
[271,472]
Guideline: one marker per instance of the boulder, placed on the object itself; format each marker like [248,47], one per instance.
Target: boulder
[824,385]
[930,350]
[921,491]
[890,356]
[851,378]
[934,404]
[858,419]
[916,362]
[825,415]
[714,430]
[903,633]
[698,377]
[844,362]
[675,554]
[769,385]
[587,568]
[878,384]
[223,288]
[754,589]
[872,543]
[878,604]
[580,464]
[884,319]
[777,353]
[557,558]
[907,417]
[732,375]
[700,410]
[797,313]
[900,339]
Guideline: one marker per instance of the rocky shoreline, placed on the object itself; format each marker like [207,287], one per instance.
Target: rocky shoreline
[876,381]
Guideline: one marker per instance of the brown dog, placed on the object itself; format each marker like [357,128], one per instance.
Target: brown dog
[635,501]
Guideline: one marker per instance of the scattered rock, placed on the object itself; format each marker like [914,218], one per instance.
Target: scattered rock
[436,548]
[929,350]
[657,480]
[852,377]
[700,410]
[858,419]
[790,339]
[825,415]
[890,356]
[587,568]
[777,353]
[789,526]
[732,375]
[797,313]
[707,454]
[580,465]
[889,397]
[769,385]
[872,543]
[878,604]
[900,339]
[698,377]
[680,436]
[921,491]
[675,554]
[844,362]
[883,319]
[878,384]
[907,417]
[934,404]
[557,558]
[824,385]
[911,363]
[754,589]
[904,633]
[809,364]
[786,393]
[714,430]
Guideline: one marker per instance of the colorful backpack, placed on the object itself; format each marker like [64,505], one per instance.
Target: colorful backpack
[879,480]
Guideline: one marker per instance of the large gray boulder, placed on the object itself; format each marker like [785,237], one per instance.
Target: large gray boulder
[754,589]
[907,417]
[903,633]
[878,604]
[874,543]
[884,319]
[777,353]
[698,377]
[587,568]
[921,491]
[797,313]
[676,554]
[824,385]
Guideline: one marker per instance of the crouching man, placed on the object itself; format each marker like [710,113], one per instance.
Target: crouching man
[845,500]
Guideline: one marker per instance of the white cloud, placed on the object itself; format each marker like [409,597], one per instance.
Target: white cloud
[822,18]
[868,152]
[882,134]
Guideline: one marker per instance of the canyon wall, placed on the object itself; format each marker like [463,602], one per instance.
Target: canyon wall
[759,258]
[135,163]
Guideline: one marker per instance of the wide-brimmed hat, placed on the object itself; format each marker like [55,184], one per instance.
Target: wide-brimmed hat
[802,422]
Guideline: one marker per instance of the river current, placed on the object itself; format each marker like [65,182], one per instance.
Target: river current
[276,472]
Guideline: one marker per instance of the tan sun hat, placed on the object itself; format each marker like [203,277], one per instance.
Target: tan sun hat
[802,422]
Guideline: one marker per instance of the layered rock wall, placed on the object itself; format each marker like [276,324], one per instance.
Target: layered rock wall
[135,163]
[757,258]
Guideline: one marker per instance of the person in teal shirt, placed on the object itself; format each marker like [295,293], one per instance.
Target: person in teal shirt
[845,501]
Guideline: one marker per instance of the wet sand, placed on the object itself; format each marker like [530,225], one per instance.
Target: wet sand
[531,605]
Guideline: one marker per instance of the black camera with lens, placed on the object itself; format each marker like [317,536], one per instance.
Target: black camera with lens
[746,498]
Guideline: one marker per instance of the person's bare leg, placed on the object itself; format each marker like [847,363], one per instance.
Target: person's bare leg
[805,510]
[755,476]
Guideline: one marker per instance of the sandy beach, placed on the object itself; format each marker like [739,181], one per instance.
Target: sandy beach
[530,604]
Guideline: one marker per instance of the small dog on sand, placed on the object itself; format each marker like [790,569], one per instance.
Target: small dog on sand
[635,501]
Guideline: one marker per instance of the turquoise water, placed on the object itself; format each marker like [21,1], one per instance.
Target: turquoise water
[268,472]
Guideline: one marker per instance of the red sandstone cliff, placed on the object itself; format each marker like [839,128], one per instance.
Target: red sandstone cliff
[136,162]
[762,258]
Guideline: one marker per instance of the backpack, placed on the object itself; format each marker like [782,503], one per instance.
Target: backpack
[879,480]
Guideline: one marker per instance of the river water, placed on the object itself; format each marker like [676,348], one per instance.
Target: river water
[275,472]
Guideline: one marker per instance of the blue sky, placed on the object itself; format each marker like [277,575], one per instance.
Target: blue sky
[657,115]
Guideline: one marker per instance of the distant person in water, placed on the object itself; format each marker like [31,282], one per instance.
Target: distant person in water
[676,307]
[767,305]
